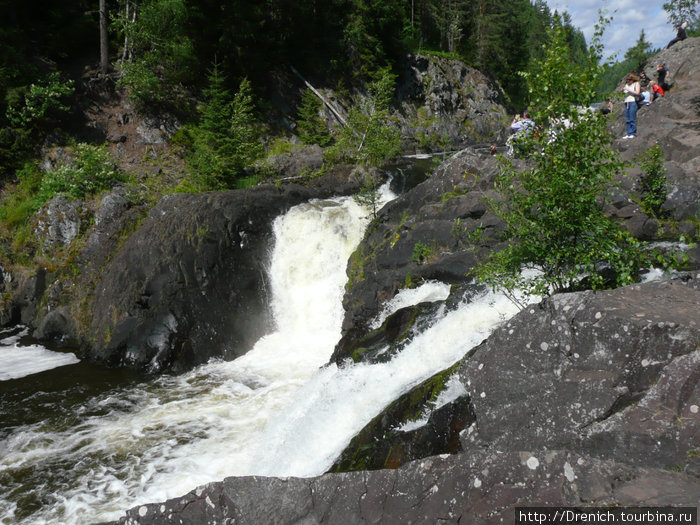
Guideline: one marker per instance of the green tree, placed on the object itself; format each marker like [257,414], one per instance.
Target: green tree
[312,129]
[552,211]
[638,54]
[227,138]
[681,10]
[370,138]
[162,58]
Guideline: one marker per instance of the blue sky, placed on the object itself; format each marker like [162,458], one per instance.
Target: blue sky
[629,18]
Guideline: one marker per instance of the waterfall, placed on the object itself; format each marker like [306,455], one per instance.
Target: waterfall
[278,410]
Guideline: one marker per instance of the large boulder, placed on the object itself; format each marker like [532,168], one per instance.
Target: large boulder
[478,488]
[190,283]
[445,103]
[586,370]
[438,230]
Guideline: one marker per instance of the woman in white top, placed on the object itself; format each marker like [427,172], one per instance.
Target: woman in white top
[631,88]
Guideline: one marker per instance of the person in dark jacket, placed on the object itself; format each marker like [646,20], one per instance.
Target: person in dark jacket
[680,34]
[661,74]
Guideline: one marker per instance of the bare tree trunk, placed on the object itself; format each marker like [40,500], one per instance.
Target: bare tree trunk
[104,39]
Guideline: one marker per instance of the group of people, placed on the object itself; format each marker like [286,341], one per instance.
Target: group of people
[640,91]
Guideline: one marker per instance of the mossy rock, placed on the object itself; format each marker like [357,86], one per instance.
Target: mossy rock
[381,444]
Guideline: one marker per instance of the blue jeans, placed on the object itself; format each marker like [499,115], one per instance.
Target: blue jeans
[631,118]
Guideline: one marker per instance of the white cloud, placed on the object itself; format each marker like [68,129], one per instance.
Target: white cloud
[629,18]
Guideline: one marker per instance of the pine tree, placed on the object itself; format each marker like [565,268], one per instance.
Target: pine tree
[227,139]
[312,129]
[638,54]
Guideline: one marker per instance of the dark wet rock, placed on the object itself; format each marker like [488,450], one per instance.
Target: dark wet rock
[382,343]
[190,283]
[30,287]
[57,325]
[412,427]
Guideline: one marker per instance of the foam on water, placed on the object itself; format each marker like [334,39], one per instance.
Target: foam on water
[337,402]
[429,291]
[18,360]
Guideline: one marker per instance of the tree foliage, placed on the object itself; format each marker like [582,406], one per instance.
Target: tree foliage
[370,138]
[552,211]
[681,10]
[227,139]
[638,54]
[310,126]
[163,57]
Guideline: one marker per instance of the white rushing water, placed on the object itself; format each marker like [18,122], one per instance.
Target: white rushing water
[18,360]
[275,411]
[428,291]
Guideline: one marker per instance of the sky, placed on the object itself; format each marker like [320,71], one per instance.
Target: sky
[629,18]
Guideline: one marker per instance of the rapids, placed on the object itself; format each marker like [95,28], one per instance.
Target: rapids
[78,450]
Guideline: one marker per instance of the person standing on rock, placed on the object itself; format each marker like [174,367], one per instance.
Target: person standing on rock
[632,89]
[680,34]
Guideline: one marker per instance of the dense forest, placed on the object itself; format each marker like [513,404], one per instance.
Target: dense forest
[164,51]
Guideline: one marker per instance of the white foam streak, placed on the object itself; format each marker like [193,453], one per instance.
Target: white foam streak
[20,361]
[429,291]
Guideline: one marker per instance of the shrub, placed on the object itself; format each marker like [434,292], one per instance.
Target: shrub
[92,172]
[422,252]
[653,181]
[42,105]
